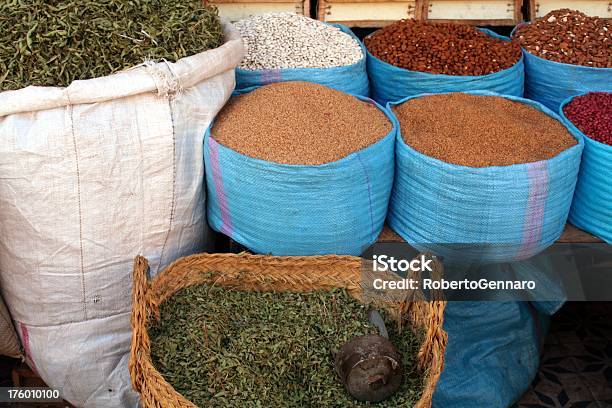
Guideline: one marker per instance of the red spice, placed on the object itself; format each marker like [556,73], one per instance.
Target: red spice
[592,114]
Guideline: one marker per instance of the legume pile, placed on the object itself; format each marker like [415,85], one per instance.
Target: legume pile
[450,49]
[480,131]
[570,37]
[592,114]
[299,123]
[266,349]
[54,42]
[288,40]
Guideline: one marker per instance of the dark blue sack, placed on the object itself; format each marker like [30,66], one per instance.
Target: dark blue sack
[492,353]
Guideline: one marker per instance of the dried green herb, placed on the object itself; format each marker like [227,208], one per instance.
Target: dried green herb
[227,348]
[53,42]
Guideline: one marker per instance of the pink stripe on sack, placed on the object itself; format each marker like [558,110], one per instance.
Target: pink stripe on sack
[265,76]
[269,76]
[25,337]
[226,223]
[537,173]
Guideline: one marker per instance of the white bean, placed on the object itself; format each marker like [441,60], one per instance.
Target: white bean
[289,40]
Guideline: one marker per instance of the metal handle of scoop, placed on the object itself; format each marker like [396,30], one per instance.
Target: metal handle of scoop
[377,320]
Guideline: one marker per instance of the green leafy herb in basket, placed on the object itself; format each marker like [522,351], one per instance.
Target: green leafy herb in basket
[230,348]
[53,42]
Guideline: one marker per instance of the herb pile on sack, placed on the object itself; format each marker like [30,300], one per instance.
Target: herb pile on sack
[52,43]
[246,348]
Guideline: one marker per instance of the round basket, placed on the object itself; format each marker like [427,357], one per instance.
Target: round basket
[266,273]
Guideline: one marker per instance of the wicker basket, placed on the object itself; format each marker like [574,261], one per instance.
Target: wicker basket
[261,272]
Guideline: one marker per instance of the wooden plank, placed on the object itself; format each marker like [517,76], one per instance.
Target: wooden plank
[530,10]
[470,10]
[217,2]
[600,8]
[235,10]
[366,23]
[575,235]
[357,13]
[570,234]
[473,12]
[367,2]
[478,22]
[378,13]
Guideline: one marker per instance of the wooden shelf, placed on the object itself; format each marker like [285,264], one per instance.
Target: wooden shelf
[235,10]
[378,13]
[539,8]
[361,13]
[473,12]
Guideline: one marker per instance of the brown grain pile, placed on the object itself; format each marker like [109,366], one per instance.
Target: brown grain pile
[480,131]
[299,123]
[570,37]
[439,48]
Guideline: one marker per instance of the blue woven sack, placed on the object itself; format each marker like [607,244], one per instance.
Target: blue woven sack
[505,213]
[492,353]
[390,83]
[592,206]
[283,209]
[550,82]
[351,79]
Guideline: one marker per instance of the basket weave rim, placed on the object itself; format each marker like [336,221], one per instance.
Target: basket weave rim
[264,272]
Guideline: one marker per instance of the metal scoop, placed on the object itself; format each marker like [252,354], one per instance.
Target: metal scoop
[370,366]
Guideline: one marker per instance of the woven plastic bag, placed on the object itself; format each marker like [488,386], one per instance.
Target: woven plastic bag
[90,175]
[351,79]
[503,213]
[551,82]
[389,83]
[492,355]
[283,209]
[592,206]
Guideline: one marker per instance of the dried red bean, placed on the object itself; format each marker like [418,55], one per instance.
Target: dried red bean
[592,114]
[439,48]
[570,37]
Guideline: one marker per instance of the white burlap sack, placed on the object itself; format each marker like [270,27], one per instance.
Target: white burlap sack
[90,176]
[9,343]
